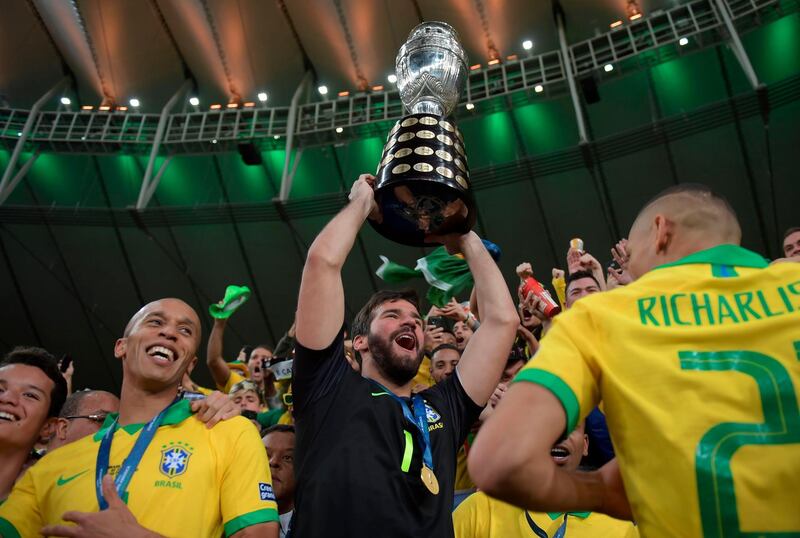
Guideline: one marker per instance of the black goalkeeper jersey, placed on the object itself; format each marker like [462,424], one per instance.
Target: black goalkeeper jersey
[358,459]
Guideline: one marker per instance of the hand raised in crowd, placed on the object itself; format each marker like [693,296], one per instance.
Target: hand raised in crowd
[589,263]
[530,339]
[364,188]
[558,273]
[620,253]
[113,522]
[524,270]
[215,407]
[433,337]
[574,260]
[454,310]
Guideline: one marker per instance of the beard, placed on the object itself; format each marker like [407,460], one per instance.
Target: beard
[399,369]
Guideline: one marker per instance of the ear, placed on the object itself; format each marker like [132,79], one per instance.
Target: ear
[664,229]
[585,445]
[48,429]
[120,347]
[360,343]
[60,428]
[192,364]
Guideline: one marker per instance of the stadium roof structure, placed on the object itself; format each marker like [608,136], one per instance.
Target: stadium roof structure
[105,205]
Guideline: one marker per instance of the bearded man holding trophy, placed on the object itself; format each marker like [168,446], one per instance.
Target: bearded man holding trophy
[371,458]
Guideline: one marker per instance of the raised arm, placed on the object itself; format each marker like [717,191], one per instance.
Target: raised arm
[486,353]
[216,363]
[320,307]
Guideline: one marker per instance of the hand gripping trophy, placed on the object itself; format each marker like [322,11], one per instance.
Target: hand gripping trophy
[422,187]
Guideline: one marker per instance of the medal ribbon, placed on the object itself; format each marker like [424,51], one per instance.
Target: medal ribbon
[538,531]
[131,462]
[419,419]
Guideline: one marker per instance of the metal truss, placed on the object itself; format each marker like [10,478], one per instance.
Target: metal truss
[650,40]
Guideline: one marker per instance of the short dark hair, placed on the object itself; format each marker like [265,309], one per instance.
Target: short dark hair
[46,362]
[790,231]
[279,428]
[440,347]
[259,346]
[577,275]
[365,316]
[247,350]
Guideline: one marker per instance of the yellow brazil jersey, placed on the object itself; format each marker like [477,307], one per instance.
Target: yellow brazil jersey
[234,378]
[192,480]
[698,366]
[481,516]
[424,376]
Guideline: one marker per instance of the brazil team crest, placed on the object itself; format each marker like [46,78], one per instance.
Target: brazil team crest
[431,414]
[174,459]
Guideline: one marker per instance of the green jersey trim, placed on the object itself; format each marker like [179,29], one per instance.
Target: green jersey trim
[733,255]
[560,390]
[265,515]
[7,530]
[177,413]
[555,515]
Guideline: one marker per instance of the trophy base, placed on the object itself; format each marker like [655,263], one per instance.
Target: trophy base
[417,208]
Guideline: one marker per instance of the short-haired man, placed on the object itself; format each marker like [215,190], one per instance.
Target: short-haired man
[481,516]
[444,359]
[791,242]
[580,284]
[279,442]
[696,363]
[173,474]
[83,414]
[32,392]
[372,460]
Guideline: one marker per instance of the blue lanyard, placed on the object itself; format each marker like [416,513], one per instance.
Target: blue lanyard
[131,462]
[419,419]
[538,531]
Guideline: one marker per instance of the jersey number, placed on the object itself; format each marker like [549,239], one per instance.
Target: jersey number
[717,446]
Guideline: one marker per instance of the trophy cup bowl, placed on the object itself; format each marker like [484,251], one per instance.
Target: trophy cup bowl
[422,185]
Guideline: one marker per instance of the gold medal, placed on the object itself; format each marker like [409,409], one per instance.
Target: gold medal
[429,479]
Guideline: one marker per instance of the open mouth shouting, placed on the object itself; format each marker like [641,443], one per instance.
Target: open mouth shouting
[560,454]
[162,354]
[407,340]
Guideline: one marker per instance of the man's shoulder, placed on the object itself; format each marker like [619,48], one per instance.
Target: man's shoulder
[55,460]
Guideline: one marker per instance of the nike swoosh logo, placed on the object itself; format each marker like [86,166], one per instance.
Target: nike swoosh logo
[61,481]
[379,393]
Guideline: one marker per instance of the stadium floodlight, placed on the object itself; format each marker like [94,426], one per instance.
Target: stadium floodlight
[66,101]
[323,90]
[527,44]
[262,96]
[194,101]
[134,102]
[608,68]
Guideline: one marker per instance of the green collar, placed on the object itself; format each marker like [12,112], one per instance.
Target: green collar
[556,515]
[178,412]
[723,255]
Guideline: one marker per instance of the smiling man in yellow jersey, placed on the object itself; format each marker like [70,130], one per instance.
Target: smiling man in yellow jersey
[697,364]
[189,480]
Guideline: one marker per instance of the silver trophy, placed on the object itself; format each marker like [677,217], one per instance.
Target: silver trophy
[423,188]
